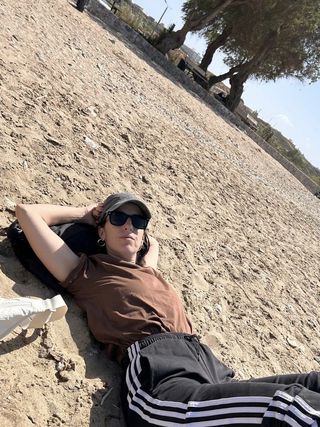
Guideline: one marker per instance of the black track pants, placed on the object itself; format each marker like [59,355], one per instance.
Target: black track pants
[173,379]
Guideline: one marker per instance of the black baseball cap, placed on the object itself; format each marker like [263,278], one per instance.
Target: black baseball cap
[116,200]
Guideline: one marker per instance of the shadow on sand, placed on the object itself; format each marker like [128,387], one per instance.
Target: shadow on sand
[106,408]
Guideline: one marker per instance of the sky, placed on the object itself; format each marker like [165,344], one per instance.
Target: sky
[288,105]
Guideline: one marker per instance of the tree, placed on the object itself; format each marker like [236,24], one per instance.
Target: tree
[198,14]
[282,40]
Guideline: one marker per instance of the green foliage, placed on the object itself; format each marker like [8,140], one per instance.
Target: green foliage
[296,157]
[316,179]
[269,39]
[137,21]
[197,9]
[265,131]
[199,14]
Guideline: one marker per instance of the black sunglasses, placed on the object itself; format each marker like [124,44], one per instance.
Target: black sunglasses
[120,218]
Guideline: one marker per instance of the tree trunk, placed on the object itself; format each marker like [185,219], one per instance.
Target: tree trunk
[176,38]
[237,85]
[213,46]
[173,40]
[237,81]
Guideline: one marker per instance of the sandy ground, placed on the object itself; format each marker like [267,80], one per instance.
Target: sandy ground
[83,113]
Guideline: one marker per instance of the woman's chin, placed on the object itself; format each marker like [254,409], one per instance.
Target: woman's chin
[128,254]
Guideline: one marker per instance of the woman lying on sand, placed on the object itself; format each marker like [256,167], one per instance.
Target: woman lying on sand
[171,378]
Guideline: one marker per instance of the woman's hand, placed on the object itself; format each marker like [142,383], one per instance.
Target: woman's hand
[153,242]
[92,214]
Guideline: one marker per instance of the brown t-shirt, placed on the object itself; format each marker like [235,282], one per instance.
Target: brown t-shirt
[124,302]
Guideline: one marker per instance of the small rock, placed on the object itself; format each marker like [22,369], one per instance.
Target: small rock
[43,353]
[90,111]
[90,143]
[235,274]
[218,308]
[60,366]
[292,343]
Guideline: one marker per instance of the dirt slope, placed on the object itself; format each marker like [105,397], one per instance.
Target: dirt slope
[83,113]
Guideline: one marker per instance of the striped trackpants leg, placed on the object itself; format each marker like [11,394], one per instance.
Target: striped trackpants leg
[173,379]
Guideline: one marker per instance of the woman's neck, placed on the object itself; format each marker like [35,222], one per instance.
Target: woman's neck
[121,257]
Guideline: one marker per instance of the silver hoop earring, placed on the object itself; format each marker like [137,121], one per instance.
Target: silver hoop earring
[101,243]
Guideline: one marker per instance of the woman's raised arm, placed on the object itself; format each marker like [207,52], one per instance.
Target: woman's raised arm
[50,248]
